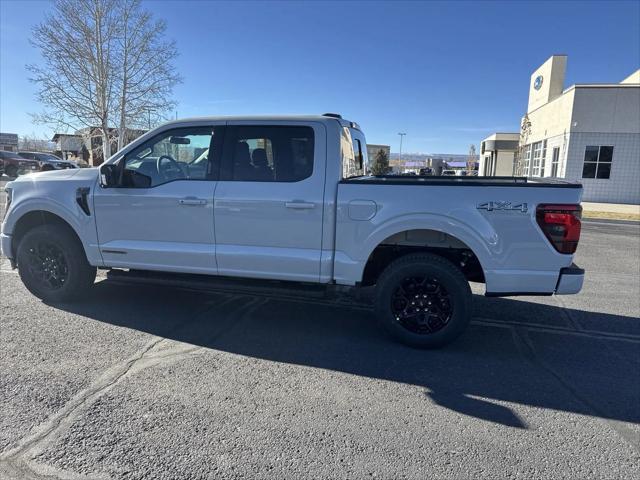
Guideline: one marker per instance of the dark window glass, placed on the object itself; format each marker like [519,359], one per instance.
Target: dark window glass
[606,154]
[272,154]
[597,162]
[604,170]
[554,161]
[589,170]
[179,154]
[591,154]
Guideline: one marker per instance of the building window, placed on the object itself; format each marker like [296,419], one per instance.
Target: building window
[537,157]
[597,161]
[554,161]
[527,160]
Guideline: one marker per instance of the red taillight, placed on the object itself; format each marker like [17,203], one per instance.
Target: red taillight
[561,225]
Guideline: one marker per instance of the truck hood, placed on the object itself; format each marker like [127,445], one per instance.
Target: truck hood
[77,174]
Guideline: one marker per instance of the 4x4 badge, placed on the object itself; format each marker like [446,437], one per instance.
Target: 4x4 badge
[491,206]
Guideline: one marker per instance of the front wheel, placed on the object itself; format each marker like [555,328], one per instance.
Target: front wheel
[52,264]
[423,300]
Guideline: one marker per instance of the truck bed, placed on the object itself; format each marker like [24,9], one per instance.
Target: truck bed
[462,181]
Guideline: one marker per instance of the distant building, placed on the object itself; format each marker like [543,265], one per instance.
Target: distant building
[69,146]
[497,154]
[9,141]
[436,165]
[588,133]
[86,143]
[373,149]
[462,165]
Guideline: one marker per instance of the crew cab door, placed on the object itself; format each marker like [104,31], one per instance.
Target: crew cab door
[160,214]
[269,201]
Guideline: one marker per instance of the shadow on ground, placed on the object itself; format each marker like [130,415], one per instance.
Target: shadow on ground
[492,365]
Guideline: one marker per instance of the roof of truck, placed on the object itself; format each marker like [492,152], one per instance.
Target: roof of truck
[286,118]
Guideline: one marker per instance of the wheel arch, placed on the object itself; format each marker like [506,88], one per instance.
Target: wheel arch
[464,251]
[35,218]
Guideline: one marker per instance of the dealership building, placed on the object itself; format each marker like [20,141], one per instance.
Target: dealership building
[589,133]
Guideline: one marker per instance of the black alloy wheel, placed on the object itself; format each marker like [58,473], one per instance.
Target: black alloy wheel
[47,265]
[423,300]
[421,305]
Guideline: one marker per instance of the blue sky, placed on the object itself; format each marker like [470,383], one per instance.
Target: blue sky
[446,73]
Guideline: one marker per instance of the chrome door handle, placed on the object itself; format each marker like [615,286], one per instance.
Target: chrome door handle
[300,205]
[192,201]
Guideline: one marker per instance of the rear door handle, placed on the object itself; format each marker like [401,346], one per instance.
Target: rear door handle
[300,205]
[192,201]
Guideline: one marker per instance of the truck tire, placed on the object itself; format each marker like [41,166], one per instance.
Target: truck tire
[11,171]
[423,300]
[52,264]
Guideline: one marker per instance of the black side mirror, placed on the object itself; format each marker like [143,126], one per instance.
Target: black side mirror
[109,175]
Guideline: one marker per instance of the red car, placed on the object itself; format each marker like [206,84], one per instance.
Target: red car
[12,164]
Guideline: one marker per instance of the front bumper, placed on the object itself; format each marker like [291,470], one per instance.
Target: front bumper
[570,280]
[5,245]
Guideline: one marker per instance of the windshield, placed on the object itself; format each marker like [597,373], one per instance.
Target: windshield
[10,155]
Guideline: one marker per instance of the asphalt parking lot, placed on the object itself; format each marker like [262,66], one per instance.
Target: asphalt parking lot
[140,382]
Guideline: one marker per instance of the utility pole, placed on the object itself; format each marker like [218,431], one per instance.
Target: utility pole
[402,134]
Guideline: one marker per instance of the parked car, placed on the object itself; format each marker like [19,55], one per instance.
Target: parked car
[286,199]
[48,161]
[426,171]
[448,173]
[13,164]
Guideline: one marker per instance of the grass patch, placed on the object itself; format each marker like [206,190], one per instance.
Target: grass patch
[612,215]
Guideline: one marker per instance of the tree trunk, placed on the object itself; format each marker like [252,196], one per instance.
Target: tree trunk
[106,144]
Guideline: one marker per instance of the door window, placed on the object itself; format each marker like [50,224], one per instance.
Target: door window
[178,154]
[269,154]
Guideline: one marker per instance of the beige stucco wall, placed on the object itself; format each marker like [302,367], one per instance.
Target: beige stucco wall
[552,119]
[552,72]
[633,78]
[504,164]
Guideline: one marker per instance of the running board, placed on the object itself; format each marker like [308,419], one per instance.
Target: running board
[357,297]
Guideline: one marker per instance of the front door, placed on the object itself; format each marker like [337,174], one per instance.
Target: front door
[269,201]
[161,215]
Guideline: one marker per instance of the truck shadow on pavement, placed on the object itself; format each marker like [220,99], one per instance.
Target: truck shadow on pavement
[537,355]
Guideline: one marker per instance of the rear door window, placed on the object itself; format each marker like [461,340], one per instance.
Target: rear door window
[268,153]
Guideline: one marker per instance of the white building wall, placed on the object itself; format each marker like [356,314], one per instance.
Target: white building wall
[504,163]
[623,186]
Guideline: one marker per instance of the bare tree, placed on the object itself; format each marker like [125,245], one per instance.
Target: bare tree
[77,41]
[520,160]
[146,72]
[33,143]
[105,64]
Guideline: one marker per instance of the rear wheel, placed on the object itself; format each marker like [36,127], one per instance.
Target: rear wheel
[12,171]
[423,300]
[52,264]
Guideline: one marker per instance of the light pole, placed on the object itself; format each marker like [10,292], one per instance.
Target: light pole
[402,134]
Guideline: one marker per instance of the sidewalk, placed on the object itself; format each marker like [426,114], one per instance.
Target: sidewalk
[613,211]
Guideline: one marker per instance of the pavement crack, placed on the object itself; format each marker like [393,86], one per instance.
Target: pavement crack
[75,404]
[17,461]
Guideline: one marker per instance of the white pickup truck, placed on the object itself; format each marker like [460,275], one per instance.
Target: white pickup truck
[288,199]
